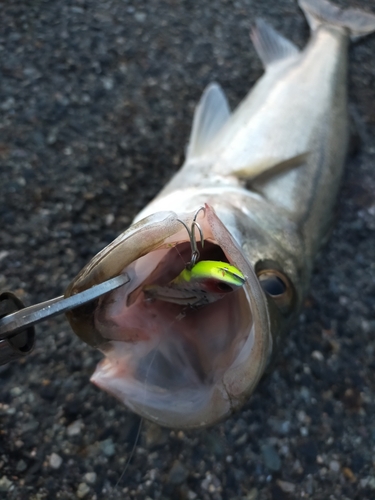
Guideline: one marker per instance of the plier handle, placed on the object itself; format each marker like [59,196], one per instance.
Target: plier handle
[17,333]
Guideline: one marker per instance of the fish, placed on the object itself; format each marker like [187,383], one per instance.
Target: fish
[260,183]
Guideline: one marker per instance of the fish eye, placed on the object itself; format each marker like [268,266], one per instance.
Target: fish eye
[224,287]
[272,284]
[276,285]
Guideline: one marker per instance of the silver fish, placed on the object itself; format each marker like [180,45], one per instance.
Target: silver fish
[267,175]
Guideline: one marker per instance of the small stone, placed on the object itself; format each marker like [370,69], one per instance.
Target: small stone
[140,17]
[107,447]
[55,461]
[90,477]
[271,458]
[21,466]
[286,487]
[241,440]
[214,443]
[5,483]
[8,104]
[16,391]
[252,495]
[82,490]
[3,254]
[334,466]
[317,355]
[155,435]
[109,219]
[178,473]
[348,473]
[108,83]
[75,428]
[309,486]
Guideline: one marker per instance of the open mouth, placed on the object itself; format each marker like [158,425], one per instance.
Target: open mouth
[175,363]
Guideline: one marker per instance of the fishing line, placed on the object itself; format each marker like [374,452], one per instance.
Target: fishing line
[144,401]
[131,453]
[194,257]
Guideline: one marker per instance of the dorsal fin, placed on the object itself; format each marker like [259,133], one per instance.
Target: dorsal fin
[210,115]
[270,45]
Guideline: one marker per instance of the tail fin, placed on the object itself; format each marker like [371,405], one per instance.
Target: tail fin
[318,12]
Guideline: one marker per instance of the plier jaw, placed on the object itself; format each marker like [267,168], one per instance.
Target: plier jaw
[17,334]
[20,344]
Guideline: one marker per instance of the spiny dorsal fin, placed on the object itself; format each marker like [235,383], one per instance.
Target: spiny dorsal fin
[270,45]
[210,115]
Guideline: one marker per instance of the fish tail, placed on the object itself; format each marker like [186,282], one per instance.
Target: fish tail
[319,12]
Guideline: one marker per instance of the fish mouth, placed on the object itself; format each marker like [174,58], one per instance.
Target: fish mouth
[176,365]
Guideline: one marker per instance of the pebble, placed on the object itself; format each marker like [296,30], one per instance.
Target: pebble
[241,440]
[75,428]
[5,483]
[286,487]
[348,473]
[252,495]
[21,466]
[107,447]
[16,391]
[90,477]
[155,435]
[271,458]
[317,355]
[55,461]
[178,473]
[368,482]
[211,483]
[334,466]
[82,490]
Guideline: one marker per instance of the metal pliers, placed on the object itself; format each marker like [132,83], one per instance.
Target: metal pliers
[17,333]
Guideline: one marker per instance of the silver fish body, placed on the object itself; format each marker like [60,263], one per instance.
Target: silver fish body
[267,176]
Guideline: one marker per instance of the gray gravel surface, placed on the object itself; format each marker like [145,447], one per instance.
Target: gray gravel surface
[96,103]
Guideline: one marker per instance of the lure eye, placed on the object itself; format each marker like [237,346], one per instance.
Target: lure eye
[224,287]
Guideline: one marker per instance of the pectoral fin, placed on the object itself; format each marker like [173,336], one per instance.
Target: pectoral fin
[269,167]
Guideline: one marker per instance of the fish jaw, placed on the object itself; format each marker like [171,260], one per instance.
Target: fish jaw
[178,366]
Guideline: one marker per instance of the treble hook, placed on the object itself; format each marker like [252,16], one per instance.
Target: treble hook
[193,241]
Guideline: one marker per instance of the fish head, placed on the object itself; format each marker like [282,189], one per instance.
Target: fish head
[178,366]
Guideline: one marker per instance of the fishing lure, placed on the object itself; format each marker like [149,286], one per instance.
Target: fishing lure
[200,283]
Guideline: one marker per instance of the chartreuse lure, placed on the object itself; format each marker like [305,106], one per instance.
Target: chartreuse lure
[206,282]
[200,283]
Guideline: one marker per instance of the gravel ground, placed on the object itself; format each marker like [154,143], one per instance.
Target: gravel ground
[96,103]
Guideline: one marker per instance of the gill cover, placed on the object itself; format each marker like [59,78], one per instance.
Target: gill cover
[180,370]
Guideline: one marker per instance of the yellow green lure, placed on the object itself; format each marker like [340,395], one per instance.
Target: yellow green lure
[205,282]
